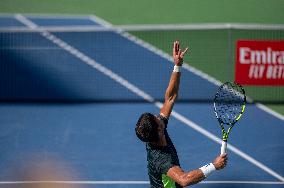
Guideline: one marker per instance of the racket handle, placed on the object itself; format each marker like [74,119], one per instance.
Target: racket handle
[223,147]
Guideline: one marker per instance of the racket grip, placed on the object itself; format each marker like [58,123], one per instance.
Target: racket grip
[223,147]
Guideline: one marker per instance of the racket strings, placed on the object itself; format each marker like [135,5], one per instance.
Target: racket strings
[229,102]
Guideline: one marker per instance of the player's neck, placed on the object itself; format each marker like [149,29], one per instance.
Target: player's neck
[162,142]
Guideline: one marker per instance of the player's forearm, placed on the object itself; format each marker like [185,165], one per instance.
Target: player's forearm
[173,87]
[192,177]
[200,174]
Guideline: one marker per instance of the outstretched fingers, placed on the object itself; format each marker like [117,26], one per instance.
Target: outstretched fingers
[175,48]
[183,53]
[178,54]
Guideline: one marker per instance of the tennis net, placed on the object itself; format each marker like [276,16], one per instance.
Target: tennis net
[34,67]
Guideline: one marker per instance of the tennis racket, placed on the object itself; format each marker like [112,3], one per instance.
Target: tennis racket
[229,106]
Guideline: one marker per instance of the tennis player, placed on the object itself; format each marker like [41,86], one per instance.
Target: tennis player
[163,163]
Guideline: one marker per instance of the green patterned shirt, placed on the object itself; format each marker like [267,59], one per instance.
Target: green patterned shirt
[160,160]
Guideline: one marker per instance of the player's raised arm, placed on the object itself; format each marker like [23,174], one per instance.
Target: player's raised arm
[173,87]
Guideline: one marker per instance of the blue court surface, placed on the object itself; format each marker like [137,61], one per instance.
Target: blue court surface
[93,144]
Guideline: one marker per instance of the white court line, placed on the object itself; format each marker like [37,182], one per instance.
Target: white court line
[70,28]
[47,15]
[185,65]
[270,111]
[87,59]
[135,182]
[142,94]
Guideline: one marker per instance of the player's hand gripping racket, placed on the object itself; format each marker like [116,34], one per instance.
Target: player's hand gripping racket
[229,105]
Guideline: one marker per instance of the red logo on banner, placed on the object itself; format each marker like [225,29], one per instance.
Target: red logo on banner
[259,62]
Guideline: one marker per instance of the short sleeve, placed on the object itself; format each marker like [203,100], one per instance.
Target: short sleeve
[165,164]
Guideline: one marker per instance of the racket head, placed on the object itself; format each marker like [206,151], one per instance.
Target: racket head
[229,103]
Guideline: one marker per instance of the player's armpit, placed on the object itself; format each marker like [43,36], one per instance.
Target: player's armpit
[185,178]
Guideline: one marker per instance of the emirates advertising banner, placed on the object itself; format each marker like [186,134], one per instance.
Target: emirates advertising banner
[260,62]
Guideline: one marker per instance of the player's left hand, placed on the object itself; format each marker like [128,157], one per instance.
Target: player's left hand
[178,54]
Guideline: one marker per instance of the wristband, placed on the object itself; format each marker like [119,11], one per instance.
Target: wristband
[177,68]
[207,169]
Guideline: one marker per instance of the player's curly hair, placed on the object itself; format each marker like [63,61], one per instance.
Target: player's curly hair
[146,128]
